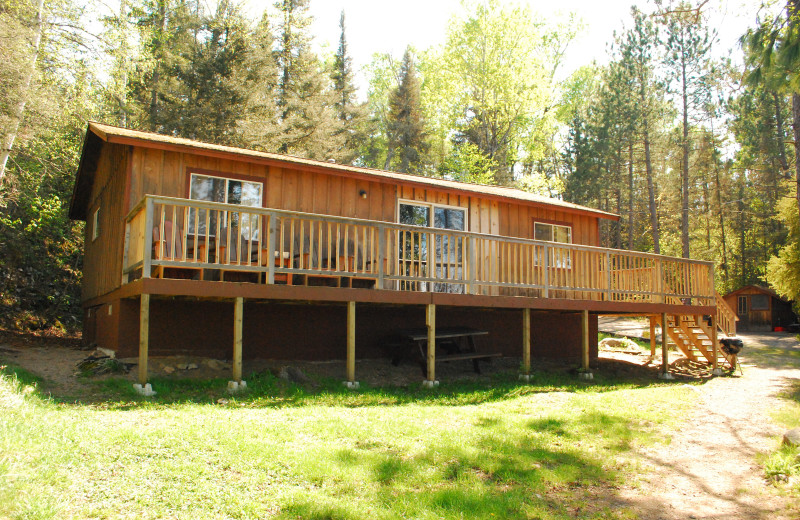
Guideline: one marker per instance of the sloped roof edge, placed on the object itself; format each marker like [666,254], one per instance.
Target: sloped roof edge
[113,134]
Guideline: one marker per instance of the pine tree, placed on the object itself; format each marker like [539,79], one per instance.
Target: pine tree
[304,98]
[687,45]
[349,113]
[406,129]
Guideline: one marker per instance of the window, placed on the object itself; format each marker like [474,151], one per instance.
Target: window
[742,305]
[759,302]
[552,232]
[95,224]
[447,254]
[228,191]
[558,257]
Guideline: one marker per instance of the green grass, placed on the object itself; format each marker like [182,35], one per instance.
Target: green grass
[556,449]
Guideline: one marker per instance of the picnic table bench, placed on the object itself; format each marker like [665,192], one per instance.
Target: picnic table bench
[452,344]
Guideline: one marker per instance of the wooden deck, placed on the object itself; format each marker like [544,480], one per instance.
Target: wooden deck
[281,253]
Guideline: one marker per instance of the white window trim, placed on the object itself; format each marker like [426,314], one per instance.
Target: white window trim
[227,180]
[569,228]
[431,206]
[96,224]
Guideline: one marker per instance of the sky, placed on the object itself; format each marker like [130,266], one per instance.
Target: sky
[380,26]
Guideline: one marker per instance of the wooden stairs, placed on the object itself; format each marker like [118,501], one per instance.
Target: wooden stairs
[693,335]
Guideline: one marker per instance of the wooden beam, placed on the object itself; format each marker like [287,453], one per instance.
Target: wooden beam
[714,344]
[430,321]
[144,336]
[652,336]
[526,341]
[585,333]
[664,351]
[351,342]
[238,319]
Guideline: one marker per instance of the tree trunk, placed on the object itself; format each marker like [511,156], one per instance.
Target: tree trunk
[651,190]
[796,128]
[685,169]
[630,196]
[780,137]
[18,111]
[718,204]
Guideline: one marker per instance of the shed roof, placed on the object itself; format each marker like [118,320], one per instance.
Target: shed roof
[758,288]
[99,133]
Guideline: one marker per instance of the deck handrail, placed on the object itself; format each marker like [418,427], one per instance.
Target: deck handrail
[400,256]
[726,317]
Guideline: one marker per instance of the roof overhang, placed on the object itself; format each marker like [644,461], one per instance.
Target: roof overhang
[97,134]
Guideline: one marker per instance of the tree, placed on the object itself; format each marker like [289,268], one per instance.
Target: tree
[405,128]
[686,45]
[496,71]
[305,101]
[348,111]
[22,27]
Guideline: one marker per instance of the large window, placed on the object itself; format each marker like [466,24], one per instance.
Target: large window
[552,232]
[742,306]
[759,302]
[447,253]
[228,191]
[558,257]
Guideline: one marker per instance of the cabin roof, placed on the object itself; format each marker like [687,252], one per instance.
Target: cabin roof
[758,288]
[99,133]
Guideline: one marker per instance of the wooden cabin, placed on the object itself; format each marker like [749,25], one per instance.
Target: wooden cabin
[760,308]
[194,248]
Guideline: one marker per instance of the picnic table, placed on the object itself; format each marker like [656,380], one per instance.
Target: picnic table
[452,344]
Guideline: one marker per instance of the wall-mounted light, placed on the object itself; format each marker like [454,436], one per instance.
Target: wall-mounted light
[363,194]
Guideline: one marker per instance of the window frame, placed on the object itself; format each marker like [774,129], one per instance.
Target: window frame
[193,172]
[431,206]
[553,225]
[739,306]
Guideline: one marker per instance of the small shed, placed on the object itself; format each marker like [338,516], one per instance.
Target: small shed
[760,308]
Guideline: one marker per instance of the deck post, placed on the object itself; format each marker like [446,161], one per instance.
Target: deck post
[381,255]
[585,372]
[143,387]
[238,319]
[608,276]
[717,371]
[652,336]
[351,346]
[473,258]
[430,321]
[546,271]
[526,345]
[273,229]
[147,254]
[664,351]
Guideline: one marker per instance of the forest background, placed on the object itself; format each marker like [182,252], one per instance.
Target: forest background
[697,152]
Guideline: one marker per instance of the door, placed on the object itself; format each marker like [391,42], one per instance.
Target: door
[742,308]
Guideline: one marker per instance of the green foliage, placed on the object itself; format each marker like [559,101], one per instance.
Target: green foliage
[405,127]
[783,270]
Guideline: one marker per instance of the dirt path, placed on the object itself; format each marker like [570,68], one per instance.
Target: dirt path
[711,469]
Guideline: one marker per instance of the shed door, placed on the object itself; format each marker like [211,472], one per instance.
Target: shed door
[741,311]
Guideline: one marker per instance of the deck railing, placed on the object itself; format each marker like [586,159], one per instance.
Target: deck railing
[276,246]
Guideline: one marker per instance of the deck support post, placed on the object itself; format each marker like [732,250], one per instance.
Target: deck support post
[652,337]
[430,321]
[585,371]
[238,319]
[717,371]
[351,347]
[664,351]
[526,346]
[143,387]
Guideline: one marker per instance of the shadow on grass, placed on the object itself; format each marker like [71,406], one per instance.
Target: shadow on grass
[265,390]
[536,471]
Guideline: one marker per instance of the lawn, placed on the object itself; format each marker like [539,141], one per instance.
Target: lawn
[555,449]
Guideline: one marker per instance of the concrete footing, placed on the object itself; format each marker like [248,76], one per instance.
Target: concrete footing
[526,378]
[717,372]
[236,386]
[666,376]
[145,390]
[586,375]
[352,385]
[429,384]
